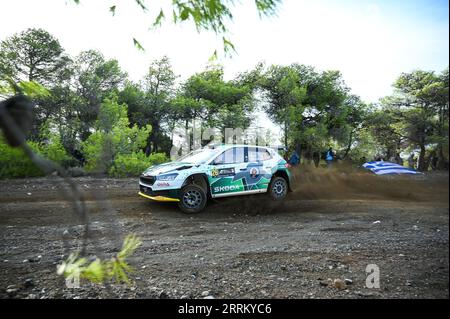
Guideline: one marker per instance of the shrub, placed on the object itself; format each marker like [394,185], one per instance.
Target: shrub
[158,158]
[55,151]
[135,163]
[114,138]
[14,163]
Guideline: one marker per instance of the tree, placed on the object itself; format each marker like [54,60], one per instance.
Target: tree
[215,103]
[314,108]
[356,120]
[326,105]
[419,110]
[94,79]
[439,93]
[385,127]
[62,112]
[158,86]
[33,55]
[284,96]
[149,103]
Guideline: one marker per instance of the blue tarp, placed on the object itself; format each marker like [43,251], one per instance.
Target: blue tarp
[383,168]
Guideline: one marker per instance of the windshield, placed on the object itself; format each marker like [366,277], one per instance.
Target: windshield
[199,156]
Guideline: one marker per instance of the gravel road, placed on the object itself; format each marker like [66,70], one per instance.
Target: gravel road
[316,244]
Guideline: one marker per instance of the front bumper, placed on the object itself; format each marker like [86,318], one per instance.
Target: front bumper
[170,195]
[159,198]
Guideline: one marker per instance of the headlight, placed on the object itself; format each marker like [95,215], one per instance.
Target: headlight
[168,177]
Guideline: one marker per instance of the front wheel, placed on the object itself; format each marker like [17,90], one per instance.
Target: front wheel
[192,199]
[278,188]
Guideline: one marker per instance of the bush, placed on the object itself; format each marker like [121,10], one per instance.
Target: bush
[158,158]
[55,151]
[14,163]
[114,139]
[135,163]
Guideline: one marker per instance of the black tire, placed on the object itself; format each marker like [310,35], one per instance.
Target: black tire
[278,188]
[192,199]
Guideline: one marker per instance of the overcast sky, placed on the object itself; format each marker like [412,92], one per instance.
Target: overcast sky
[370,42]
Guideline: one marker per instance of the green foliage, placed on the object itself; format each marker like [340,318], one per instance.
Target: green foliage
[14,163]
[149,102]
[138,45]
[95,78]
[113,137]
[314,108]
[31,89]
[210,15]
[99,271]
[89,106]
[32,55]
[158,158]
[135,163]
[53,150]
[364,145]
[220,104]
[416,115]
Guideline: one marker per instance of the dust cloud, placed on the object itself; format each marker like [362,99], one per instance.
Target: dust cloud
[315,186]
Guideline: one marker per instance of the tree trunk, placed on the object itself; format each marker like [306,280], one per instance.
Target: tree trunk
[422,163]
[441,163]
[189,136]
[148,147]
[441,158]
[349,145]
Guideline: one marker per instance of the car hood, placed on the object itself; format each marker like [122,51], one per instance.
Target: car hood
[171,167]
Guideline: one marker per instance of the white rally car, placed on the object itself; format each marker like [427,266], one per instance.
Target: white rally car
[225,170]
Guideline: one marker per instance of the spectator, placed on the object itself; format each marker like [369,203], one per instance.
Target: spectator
[362,160]
[295,159]
[329,157]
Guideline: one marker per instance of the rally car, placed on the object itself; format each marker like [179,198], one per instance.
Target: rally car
[219,171]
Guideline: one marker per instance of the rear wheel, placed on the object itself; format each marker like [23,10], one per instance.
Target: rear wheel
[192,199]
[278,188]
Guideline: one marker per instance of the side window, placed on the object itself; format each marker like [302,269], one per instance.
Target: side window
[264,154]
[258,154]
[231,156]
[240,156]
[252,154]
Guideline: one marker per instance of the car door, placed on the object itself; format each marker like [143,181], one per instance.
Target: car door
[259,169]
[225,177]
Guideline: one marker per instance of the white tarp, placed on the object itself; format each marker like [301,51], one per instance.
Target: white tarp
[382,168]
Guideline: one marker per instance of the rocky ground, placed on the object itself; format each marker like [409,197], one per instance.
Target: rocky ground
[316,244]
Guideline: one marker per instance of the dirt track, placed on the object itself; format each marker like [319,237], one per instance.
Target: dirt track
[332,226]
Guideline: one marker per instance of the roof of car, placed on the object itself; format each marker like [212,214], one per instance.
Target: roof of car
[227,146]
